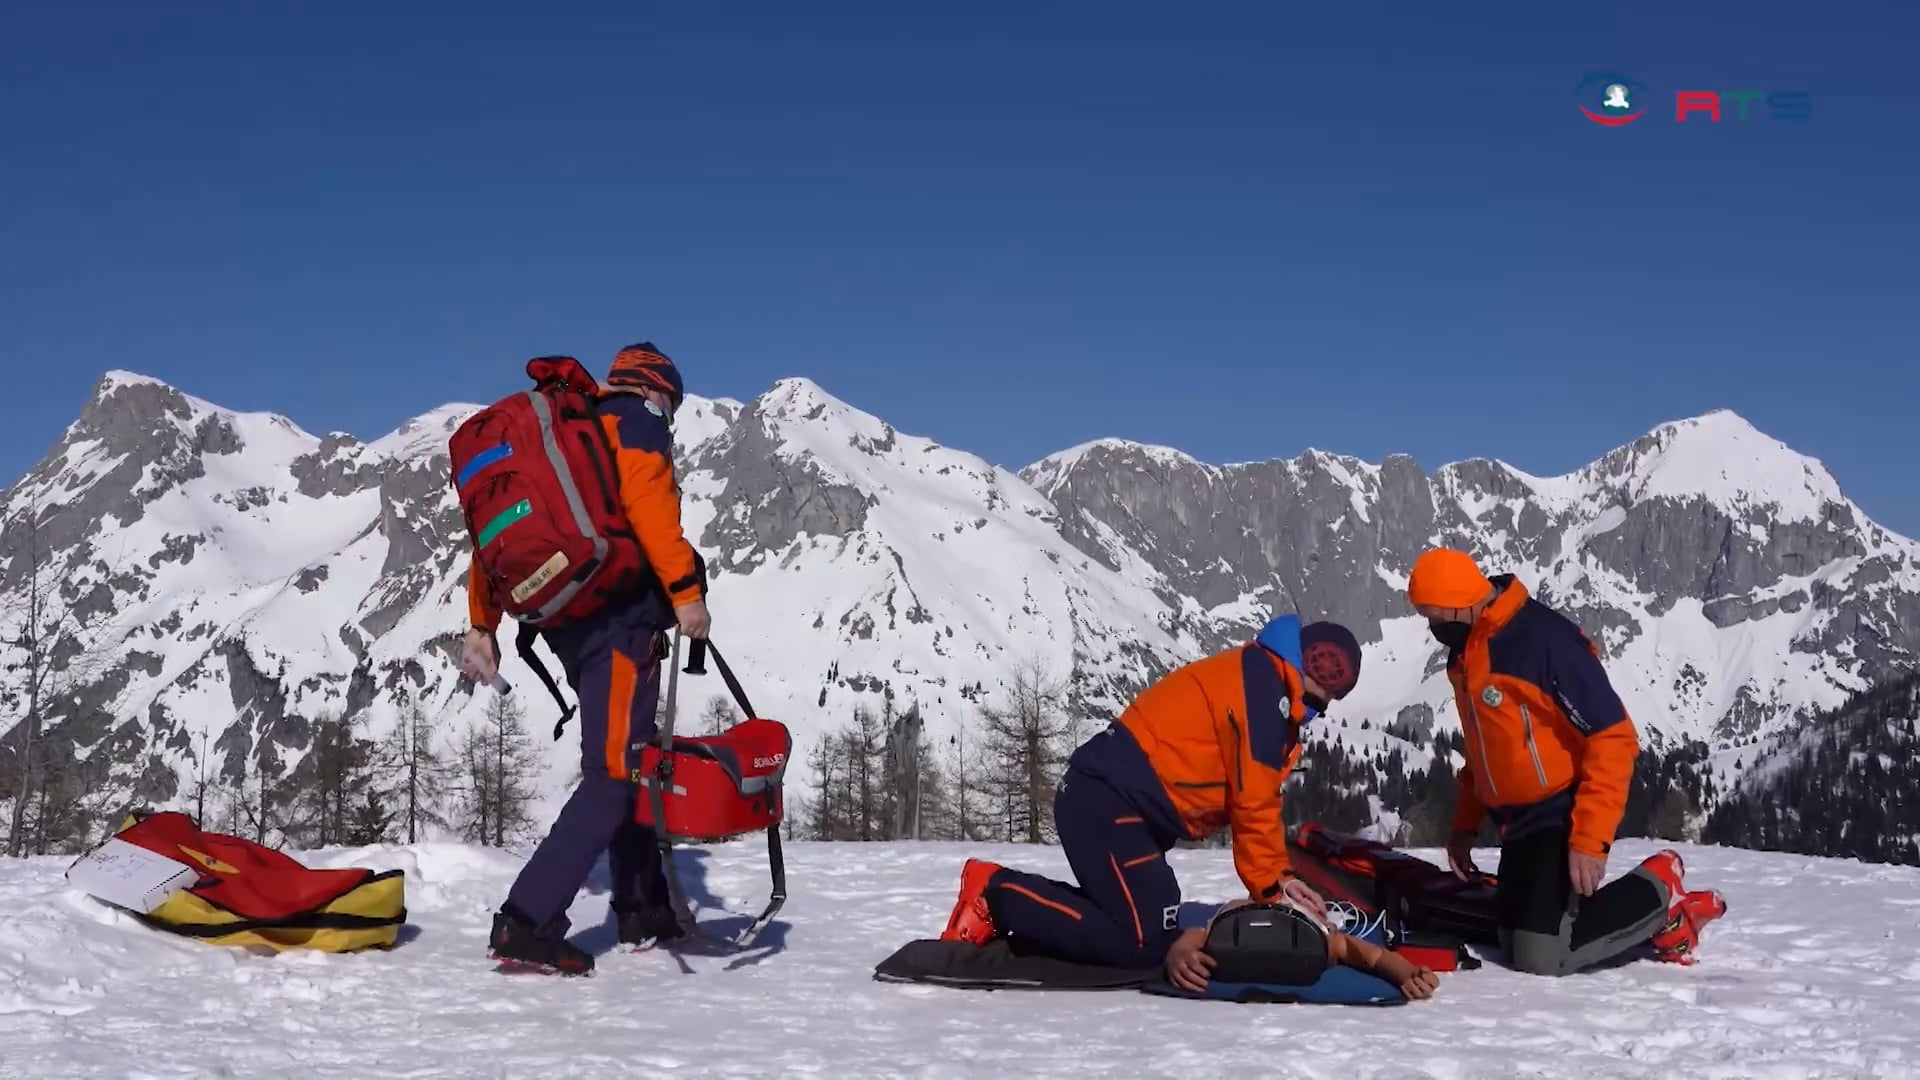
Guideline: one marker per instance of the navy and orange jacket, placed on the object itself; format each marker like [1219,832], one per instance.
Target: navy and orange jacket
[1220,736]
[643,453]
[1547,739]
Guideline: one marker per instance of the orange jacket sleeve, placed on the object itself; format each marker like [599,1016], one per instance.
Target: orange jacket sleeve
[1467,811]
[643,453]
[1580,686]
[1259,741]
[1606,771]
[482,611]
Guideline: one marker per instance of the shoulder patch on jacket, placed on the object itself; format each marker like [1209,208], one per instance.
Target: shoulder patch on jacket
[1269,726]
[636,426]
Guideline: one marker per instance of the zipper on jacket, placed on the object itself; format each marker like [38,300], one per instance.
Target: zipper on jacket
[1239,769]
[1526,727]
[1480,740]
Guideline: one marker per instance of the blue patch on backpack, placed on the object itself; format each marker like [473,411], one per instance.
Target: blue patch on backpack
[480,461]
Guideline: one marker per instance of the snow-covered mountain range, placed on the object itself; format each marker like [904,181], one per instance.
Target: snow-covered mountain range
[245,576]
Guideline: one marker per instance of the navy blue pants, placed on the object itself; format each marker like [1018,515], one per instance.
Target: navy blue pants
[615,675]
[1125,910]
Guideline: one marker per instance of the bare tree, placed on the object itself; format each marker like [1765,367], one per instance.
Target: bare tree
[913,795]
[864,742]
[49,646]
[339,796]
[58,820]
[258,797]
[720,715]
[204,782]
[1028,740]
[420,773]
[850,778]
[963,814]
[825,811]
[498,762]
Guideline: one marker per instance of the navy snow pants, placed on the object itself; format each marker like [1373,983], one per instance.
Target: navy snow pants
[615,675]
[1125,910]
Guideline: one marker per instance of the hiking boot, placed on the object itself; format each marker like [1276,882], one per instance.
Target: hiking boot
[970,920]
[645,925]
[517,944]
[1675,942]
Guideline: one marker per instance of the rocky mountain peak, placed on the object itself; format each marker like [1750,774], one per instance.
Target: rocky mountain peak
[1722,458]
[252,571]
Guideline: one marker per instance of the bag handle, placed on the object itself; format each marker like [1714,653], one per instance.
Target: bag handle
[697,665]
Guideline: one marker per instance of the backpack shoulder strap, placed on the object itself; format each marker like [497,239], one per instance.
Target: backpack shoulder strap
[523,640]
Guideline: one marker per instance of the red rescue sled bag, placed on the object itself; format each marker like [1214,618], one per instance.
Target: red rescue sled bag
[721,786]
[715,787]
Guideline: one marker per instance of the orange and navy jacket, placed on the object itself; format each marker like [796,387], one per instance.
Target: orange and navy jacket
[1548,742]
[643,453]
[1209,746]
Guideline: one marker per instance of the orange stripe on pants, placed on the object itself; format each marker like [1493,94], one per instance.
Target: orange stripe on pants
[1038,899]
[624,678]
[1138,936]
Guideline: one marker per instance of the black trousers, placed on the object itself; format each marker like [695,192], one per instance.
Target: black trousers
[1547,930]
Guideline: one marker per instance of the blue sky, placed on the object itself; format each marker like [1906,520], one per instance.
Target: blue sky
[1238,228]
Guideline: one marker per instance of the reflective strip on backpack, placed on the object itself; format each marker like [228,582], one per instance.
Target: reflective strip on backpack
[480,461]
[544,410]
[503,519]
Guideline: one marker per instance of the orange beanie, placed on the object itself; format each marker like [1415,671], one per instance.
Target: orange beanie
[1443,577]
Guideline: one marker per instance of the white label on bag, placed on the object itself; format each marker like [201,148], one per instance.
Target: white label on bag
[539,578]
[129,876]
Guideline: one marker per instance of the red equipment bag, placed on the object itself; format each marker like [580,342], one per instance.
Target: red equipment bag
[724,785]
[1431,916]
[537,484]
[715,787]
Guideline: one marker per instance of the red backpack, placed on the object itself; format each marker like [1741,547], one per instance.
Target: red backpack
[537,482]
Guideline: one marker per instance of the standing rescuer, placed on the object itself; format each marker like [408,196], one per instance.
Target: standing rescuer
[611,654]
[1549,756]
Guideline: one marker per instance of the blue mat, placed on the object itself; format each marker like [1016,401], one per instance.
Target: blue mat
[1339,986]
[1000,966]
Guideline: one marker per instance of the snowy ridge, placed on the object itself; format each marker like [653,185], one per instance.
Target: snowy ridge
[250,576]
[1725,459]
[1046,473]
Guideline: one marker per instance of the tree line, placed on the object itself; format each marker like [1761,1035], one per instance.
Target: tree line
[877,776]
[1845,788]
[478,782]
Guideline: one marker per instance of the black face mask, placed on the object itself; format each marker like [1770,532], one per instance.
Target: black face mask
[1315,702]
[1451,634]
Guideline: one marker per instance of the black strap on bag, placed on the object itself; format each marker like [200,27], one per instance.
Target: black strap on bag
[662,781]
[523,640]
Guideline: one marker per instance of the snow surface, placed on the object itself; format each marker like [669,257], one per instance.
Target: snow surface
[1815,972]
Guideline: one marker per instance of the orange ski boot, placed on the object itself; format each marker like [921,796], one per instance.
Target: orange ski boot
[1670,870]
[1676,942]
[970,920]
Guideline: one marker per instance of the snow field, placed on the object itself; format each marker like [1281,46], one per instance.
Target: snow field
[1815,972]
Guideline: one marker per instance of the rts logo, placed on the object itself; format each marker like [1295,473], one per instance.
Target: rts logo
[1610,99]
[1614,100]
